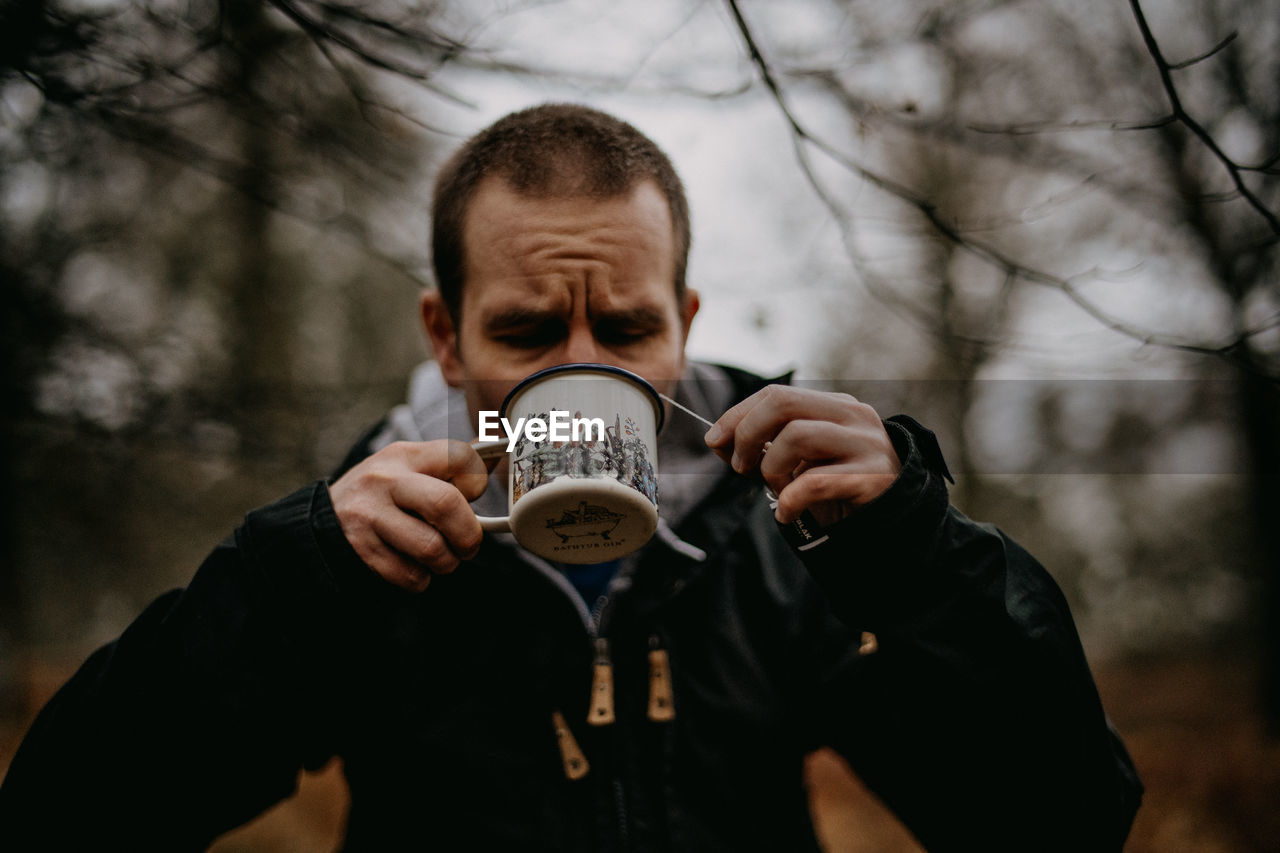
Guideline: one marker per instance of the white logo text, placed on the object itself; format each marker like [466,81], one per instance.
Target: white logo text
[558,426]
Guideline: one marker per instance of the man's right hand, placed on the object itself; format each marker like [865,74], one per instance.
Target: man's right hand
[406,509]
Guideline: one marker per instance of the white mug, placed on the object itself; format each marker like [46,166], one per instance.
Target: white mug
[582,478]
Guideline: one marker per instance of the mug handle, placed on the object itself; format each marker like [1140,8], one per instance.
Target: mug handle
[492,452]
[495,523]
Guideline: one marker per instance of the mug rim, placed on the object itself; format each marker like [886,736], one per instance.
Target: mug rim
[592,367]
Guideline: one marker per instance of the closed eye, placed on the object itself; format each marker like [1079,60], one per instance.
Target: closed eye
[631,329]
[621,336]
[535,336]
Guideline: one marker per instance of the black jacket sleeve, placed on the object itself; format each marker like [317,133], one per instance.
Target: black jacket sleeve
[977,719]
[203,712]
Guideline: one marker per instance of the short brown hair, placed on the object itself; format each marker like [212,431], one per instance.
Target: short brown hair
[552,150]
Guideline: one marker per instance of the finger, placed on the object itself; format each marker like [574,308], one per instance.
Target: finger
[850,483]
[443,508]
[417,541]
[466,469]
[491,453]
[722,435]
[403,572]
[391,565]
[799,445]
[778,406]
[444,459]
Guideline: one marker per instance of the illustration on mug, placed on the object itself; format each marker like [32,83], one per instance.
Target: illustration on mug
[586,520]
[622,454]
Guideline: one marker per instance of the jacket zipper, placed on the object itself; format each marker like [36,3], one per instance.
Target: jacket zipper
[602,711]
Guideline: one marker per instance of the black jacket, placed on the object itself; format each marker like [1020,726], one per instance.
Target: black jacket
[976,719]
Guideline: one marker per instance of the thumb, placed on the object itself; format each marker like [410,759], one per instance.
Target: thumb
[466,470]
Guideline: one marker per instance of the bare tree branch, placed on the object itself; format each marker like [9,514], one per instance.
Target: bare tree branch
[1165,69]
[190,154]
[992,256]
[1119,183]
[367,104]
[1187,63]
[1035,128]
[318,31]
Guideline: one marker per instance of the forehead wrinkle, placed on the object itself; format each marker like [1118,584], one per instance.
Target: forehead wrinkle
[540,295]
[563,272]
[558,266]
[576,235]
[547,250]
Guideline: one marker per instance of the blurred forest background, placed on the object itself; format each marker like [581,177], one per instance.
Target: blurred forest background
[1048,228]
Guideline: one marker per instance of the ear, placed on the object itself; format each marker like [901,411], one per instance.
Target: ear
[438,324]
[688,310]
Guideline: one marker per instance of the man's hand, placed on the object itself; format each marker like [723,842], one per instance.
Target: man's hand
[406,512]
[826,452]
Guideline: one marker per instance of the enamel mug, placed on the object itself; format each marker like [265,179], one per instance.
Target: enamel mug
[582,478]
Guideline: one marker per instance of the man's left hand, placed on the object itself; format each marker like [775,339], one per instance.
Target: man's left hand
[827,453]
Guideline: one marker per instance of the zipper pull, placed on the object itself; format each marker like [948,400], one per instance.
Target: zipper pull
[662,706]
[601,713]
[575,762]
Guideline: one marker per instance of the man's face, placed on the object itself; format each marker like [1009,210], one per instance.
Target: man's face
[556,280]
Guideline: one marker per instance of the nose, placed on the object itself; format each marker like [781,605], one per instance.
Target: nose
[581,344]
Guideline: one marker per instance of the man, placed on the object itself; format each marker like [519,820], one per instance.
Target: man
[369,618]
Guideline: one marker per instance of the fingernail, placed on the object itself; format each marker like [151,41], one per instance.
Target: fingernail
[736,462]
[713,435]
